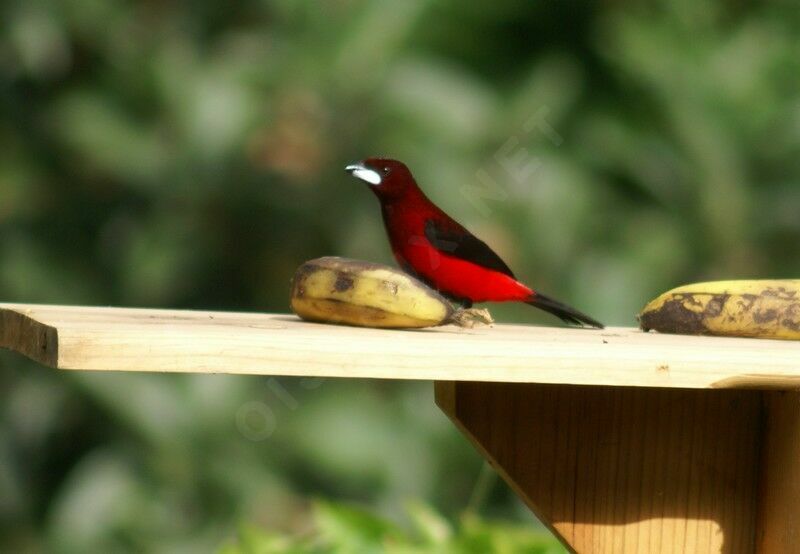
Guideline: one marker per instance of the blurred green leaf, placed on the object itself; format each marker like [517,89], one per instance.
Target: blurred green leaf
[343,529]
[346,529]
[431,526]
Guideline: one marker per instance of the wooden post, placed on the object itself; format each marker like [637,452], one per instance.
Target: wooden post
[778,528]
[626,469]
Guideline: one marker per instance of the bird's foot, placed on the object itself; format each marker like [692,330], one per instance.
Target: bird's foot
[472,317]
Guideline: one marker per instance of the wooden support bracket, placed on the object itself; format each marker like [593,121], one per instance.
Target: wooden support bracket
[626,469]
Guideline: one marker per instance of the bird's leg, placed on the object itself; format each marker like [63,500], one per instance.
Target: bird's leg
[469,317]
[472,317]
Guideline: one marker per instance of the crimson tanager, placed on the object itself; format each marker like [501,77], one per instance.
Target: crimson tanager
[433,247]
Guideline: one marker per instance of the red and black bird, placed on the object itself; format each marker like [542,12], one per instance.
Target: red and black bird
[432,246]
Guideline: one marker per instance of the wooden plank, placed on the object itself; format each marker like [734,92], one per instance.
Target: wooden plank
[779,517]
[269,344]
[625,470]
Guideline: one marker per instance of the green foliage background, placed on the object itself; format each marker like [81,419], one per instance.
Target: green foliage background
[190,154]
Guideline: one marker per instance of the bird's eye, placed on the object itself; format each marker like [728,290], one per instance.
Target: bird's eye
[386,171]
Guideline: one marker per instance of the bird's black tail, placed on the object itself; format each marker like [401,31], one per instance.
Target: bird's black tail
[566,313]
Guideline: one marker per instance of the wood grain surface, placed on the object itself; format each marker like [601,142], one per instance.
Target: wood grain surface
[779,506]
[278,344]
[629,470]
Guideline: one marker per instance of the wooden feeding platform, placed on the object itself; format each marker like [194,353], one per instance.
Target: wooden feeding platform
[618,440]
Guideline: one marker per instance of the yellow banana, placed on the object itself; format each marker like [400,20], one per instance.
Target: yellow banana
[767,309]
[340,290]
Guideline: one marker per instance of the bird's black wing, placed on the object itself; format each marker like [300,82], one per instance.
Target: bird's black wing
[460,243]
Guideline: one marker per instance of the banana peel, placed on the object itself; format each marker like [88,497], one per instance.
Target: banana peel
[767,309]
[354,292]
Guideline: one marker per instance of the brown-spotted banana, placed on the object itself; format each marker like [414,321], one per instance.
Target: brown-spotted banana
[768,309]
[354,292]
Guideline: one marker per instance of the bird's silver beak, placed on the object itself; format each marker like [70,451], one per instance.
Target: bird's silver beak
[360,171]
